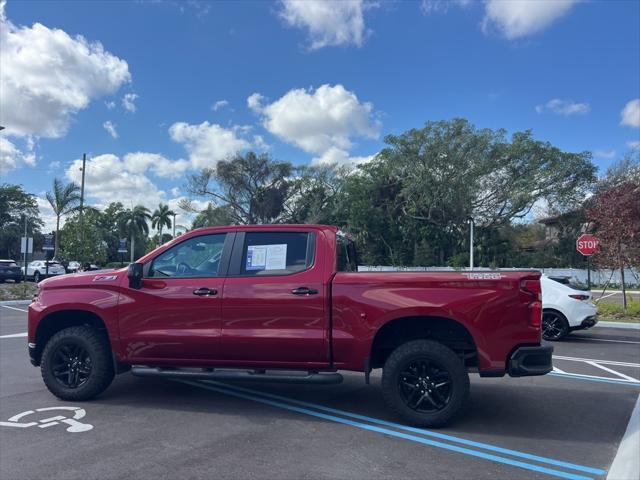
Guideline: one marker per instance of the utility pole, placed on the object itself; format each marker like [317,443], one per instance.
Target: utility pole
[84,168]
[26,247]
[470,219]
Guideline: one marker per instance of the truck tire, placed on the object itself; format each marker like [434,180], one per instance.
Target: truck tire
[425,383]
[77,364]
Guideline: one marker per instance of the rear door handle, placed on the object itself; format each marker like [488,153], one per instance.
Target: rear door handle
[205,292]
[304,291]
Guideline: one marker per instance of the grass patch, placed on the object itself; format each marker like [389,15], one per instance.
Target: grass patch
[615,312]
[17,291]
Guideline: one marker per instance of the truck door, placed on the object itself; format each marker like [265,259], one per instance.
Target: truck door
[273,308]
[176,314]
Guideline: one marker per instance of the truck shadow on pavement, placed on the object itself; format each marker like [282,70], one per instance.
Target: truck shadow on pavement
[548,410]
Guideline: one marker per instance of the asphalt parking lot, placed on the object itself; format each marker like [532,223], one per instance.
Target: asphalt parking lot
[565,425]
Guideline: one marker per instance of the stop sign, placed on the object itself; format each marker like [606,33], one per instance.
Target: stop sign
[587,244]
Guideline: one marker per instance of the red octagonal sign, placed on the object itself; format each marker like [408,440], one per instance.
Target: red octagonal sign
[587,244]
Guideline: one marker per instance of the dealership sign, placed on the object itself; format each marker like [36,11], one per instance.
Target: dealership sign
[48,242]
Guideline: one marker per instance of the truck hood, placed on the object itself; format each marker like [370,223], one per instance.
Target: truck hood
[84,278]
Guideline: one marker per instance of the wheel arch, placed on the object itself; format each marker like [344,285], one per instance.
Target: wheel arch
[61,319]
[444,330]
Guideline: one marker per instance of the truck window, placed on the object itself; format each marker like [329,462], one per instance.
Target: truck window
[276,253]
[196,257]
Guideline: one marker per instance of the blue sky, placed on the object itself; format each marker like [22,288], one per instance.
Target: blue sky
[308,82]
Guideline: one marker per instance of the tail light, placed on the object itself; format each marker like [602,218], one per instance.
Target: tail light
[533,288]
[580,297]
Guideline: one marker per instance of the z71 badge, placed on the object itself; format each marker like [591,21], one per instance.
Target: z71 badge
[105,278]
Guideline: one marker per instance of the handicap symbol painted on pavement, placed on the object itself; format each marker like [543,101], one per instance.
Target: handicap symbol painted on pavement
[74,425]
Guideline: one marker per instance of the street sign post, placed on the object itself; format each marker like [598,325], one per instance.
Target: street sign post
[122,249]
[587,245]
[48,243]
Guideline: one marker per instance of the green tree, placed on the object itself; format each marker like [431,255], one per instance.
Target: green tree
[161,218]
[254,187]
[84,239]
[15,204]
[63,200]
[213,216]
[134,222]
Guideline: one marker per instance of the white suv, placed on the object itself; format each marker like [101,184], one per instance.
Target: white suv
[37,270]
[565,308]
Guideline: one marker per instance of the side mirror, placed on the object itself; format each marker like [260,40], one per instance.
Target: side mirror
[135,276]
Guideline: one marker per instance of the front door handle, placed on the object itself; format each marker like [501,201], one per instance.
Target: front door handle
[304,291]
[205,292]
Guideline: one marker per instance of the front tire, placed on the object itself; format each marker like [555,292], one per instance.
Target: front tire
[554,326]
[36,277]
[425,383]
[76,363]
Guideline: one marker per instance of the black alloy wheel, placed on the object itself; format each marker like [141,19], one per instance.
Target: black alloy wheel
[71,365]
[424,386]
[554,326]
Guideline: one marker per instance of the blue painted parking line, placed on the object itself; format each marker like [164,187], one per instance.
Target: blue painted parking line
[421,431]
[467,451]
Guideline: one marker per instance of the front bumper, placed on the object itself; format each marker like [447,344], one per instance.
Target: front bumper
[530,361]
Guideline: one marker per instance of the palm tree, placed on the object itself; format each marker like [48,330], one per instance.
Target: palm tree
[161,218]
[134,221]
[63,199]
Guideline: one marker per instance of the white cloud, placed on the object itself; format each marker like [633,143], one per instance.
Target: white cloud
[109,179]
[219,104]
[260,144]
[128,102]
[631,114]
[336,156]
[442,6]
[140,162]
[208,143]
[321,121]
[254,102]
[46,214]
[519,18]
[608,154]
[563,107]
[634,144]
[11,157]
[327,22]
[110,127]
[47,76]
[110,105]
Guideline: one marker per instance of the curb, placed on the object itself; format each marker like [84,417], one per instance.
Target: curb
[626,464]
[623,325]
[15,302]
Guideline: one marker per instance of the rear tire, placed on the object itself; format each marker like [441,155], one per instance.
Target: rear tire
[36,277]
[554,326]
[77,364]
[425,383]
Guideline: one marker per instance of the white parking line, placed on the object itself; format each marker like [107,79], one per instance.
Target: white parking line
[607,369]
[626,464]
[604,362]
[14,335]
[604,340]
[14,308]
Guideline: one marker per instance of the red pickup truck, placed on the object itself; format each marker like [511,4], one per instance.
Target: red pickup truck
[285,303]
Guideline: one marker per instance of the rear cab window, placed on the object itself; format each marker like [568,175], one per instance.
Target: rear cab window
[276,253]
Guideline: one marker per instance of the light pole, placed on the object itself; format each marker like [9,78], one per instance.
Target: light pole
[471,223]
[174,225]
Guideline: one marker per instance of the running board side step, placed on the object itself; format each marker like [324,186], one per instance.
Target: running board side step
[315,378]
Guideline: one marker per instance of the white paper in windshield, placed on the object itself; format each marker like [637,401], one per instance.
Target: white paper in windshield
[266,257]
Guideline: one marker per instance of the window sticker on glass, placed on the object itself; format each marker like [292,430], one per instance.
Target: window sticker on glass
[267,257]
[256,257]
[276,257]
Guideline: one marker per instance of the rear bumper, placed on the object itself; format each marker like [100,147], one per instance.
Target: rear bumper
[530,361]
[587,323]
